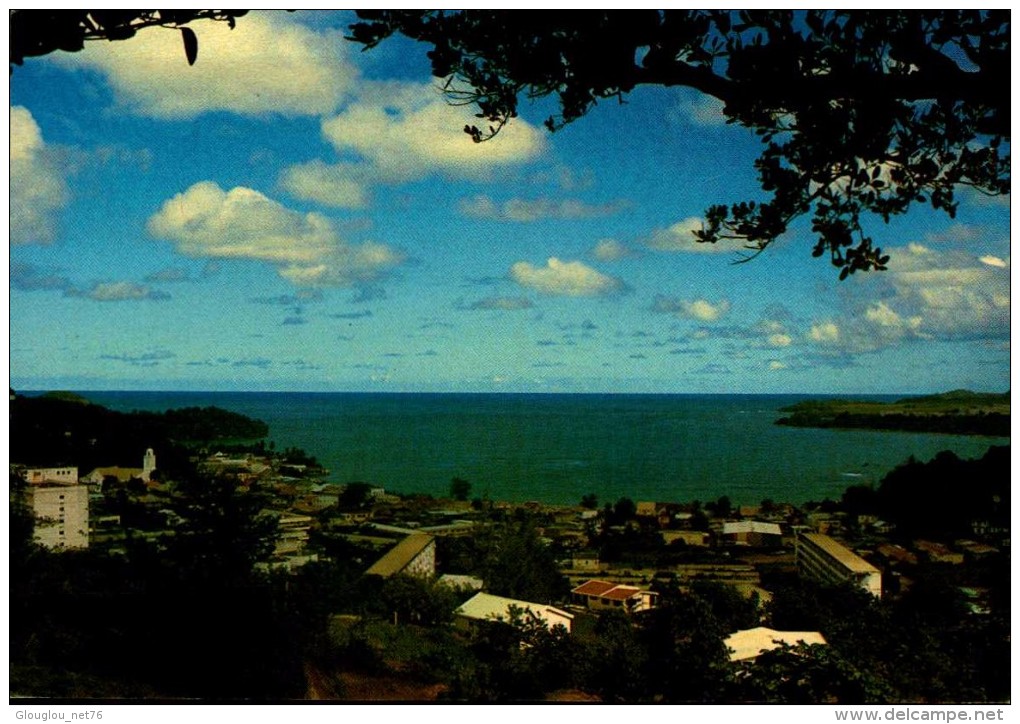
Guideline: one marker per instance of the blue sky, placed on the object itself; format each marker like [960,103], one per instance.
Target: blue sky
[294,214]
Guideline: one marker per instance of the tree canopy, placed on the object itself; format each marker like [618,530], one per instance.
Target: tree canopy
[861,113]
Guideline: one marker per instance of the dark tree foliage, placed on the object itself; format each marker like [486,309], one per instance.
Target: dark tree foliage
[941,499]
[47,429]
[460,489]
[39,32]
[860,112]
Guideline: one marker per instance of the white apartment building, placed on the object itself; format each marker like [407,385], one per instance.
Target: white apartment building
[60,506]
[823,559]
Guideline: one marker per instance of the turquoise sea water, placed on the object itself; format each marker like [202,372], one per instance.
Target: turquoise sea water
[556,448]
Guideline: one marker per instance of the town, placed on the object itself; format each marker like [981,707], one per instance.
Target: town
[424,573]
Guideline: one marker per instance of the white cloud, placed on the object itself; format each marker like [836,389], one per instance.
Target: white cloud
[611,250]
[927,294]
[268,64]
[573,279]
[777,365]
[340,185]
[525,210]
[242,223]
[995,261]
[824,332]
[701,310]
[407,131]
[780,339]
[38,190]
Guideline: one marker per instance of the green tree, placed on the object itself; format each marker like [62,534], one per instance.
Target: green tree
[860,112]
[590,501]
[517,564]
[460,489]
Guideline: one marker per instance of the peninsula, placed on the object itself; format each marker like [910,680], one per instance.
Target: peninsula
[960,412]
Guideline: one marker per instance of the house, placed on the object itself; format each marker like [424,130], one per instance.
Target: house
[938,553]
[647,509]
[123,475]
[415,555]
[484,607]
[604,594]
[752,643]
[586,560]
[752,533]
[292,532]
[60,506]
[823,559]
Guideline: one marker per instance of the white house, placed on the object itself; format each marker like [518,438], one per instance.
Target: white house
[604,594]
[484,607]
[752,643]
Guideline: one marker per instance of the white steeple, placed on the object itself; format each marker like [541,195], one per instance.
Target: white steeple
[148,464]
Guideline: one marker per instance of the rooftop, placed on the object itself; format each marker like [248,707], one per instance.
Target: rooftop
[751,643]
[839,552]
[487,607]
[751,526]
[401,555]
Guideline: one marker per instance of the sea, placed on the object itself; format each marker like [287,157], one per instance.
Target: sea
[555,448]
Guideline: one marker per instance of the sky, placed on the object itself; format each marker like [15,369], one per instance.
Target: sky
[292,213]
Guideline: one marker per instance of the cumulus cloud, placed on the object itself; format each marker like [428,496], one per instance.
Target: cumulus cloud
[341,185]
[776,365]
[927,294]
[37,186]
[525,210]
[699,309]
[407,131]
[824,332]
[679,237]
[206,221]
[503,304]
[566,278]
[611,250]
[269,64]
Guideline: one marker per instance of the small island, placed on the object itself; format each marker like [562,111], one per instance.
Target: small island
[960,412]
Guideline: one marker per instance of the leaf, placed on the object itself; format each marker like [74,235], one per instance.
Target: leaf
[190,45]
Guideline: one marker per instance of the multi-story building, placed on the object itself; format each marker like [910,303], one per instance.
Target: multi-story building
[414,556]
[823,559]
[60,506]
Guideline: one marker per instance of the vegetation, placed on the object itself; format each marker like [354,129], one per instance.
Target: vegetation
[460,489]
[958,413]
[194,610]
[861,113]
[47,429]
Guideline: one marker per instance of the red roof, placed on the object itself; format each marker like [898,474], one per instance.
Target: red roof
[621,593]
[594,588]
[605,589]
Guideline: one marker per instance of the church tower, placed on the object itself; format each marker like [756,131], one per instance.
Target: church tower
[148,464]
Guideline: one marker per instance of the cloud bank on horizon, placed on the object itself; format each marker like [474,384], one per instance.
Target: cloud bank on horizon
[285,165]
